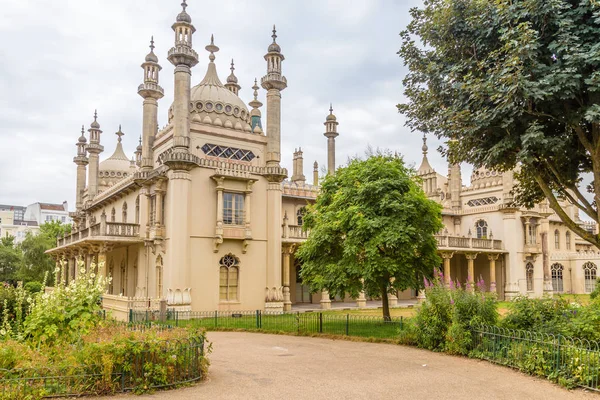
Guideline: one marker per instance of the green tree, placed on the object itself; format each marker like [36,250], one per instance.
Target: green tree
[512,83]
[11,259]
[371,228]
[36,263]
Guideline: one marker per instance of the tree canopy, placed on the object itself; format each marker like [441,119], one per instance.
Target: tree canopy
[371,228]
[512,84]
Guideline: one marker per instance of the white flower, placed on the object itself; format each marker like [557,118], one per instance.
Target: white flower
[82,270]
[56,270]
[2,332]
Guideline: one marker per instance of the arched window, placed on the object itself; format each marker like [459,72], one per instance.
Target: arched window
[568,240]
[556,239]
[482,229]
[300,215]
[589,272]
[113,215]
[228,278]
[159,277]
[529,276]
[557,277]
[137,210]
[124,212]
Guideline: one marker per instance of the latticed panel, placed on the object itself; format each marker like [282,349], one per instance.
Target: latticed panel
[482,202]
[230,153]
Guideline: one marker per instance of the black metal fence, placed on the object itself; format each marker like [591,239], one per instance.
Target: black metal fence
[297,323]
[568,361]
[169,363]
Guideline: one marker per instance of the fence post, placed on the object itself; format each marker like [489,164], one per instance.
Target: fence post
[298,322]
[257,323]
[176,318]
[347,323]
[130,315]
[260,319]
[320,322]
[558,354]
[216,318]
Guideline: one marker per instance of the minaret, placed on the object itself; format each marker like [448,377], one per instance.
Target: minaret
[274,83]
[298,175]
[82,161]
[255,113]
[331,133]
[232,81]
[138,153]
[183,57]
[94,148]
[316,174]
[151,91]
[454,182]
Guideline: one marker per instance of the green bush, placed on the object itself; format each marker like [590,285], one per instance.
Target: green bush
[33,287]
[545,315]
[443,321]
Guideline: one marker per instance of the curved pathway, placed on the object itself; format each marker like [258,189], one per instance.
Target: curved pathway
[260,366]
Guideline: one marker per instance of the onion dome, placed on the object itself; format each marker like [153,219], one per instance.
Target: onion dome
[139,146]
[82,138]
[232,78]
[183,16]
[151,57]
[117,163]
[95,124]
[274,47]
[331,116]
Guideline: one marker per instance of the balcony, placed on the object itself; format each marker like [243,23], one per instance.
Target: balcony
[115,232]
[293,233]
[458,243]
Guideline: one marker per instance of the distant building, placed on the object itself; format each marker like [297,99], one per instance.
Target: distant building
[10,226]
[19,211]
[46,212]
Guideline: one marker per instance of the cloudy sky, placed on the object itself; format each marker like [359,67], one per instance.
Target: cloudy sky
[64,58]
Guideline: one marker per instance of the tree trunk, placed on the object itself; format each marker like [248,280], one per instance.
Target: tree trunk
[386,304]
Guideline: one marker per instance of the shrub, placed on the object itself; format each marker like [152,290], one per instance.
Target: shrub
[442,322]
[33,287]
[540,315]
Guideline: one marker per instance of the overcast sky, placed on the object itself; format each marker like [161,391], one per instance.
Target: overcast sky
[61,59]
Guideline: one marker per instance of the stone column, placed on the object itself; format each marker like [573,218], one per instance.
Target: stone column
[248,209]
[392,298]
[447,257]
[288,250]
[471,268]
[273,127]
[316,174]
[149,129]
[492,258]
[274,281]
[361,302]
[325,300]
[102,261]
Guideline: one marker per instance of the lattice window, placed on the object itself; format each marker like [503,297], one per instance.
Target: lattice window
[557,277]
[228,278]
[482,202]
[233,209]
[482,229]
[589,272]
[529,276]
[227,152]
[556,239]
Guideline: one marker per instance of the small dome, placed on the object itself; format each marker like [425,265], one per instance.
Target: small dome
[183,15]
[151,57]
[118,162]
[232,78]
[331,117]
[274,48]
[82,139]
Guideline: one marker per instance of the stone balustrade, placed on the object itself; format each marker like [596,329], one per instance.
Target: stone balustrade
[446,241]
[294,232]
[119,306]
[102,229]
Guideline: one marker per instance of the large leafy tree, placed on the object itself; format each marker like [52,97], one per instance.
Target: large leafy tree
[371,228]
[11,259]
[36,263]
[512,84]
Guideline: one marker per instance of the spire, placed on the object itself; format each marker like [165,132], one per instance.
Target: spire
[212,48]
[425,166]
[182,54]
[255,112]
[424,148]
[95,123]
[119,133]
[331,133]
[232,81]
[151,57]
[316,174]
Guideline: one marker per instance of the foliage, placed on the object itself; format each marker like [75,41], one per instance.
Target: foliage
[36,263]
[540,315]
[69,311]
[371,228]
[596,290]
[444,320]
[512,83]
[33,287]
[11,259]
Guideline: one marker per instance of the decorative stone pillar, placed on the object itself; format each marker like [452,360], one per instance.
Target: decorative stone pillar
[325,300]
[361,302]
[493,258]
[421,296]
[447,256]
[471,270]
[316,174]
[392,298]
[288,250]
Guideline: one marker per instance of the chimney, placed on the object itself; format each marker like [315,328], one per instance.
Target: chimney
[316,174]
[298,167]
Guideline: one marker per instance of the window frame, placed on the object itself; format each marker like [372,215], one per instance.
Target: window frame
[234,215]
[590,274]
[557,269]
[568,240]
[231,265]
[556,239]
[481,231]
[529,271]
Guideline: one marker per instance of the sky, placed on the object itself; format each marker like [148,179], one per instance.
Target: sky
[62,59]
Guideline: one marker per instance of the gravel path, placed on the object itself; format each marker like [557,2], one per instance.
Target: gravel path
[260,366]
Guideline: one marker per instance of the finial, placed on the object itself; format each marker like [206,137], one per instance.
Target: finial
[330,109]
[152,43]
[255,87]
[424,148]
[140,139]
[119,133]
[274,35]
[316,166]
[184,5]
[82,130]
[95,115]
[212,48]
[232,67]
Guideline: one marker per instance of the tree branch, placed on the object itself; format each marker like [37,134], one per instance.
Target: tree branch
[593,239]
[584,140]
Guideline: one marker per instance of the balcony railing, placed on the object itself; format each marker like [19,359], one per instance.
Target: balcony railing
[111,229]
[445,241]
[294,232]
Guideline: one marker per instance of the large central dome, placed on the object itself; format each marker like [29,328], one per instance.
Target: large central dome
[213,104]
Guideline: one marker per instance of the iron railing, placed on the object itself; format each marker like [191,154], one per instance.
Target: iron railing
[568,361]
[169,363]
[296,323]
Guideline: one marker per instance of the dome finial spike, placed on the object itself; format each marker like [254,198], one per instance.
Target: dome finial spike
[140,139]
[184,5]
[152,43]
[232,67]
[424,148]
[95,115]
[274,35]
[119,133]
[330,108]
[212,48]
[82,130]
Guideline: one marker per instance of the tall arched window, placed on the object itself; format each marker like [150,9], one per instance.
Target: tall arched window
[482,229]
[529,276]
[568,240]
[300,215]
[589,273]
[124,212]
[557,277]
[159,277]
[556,239]
[113,215]
[228,278]
[137,209]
